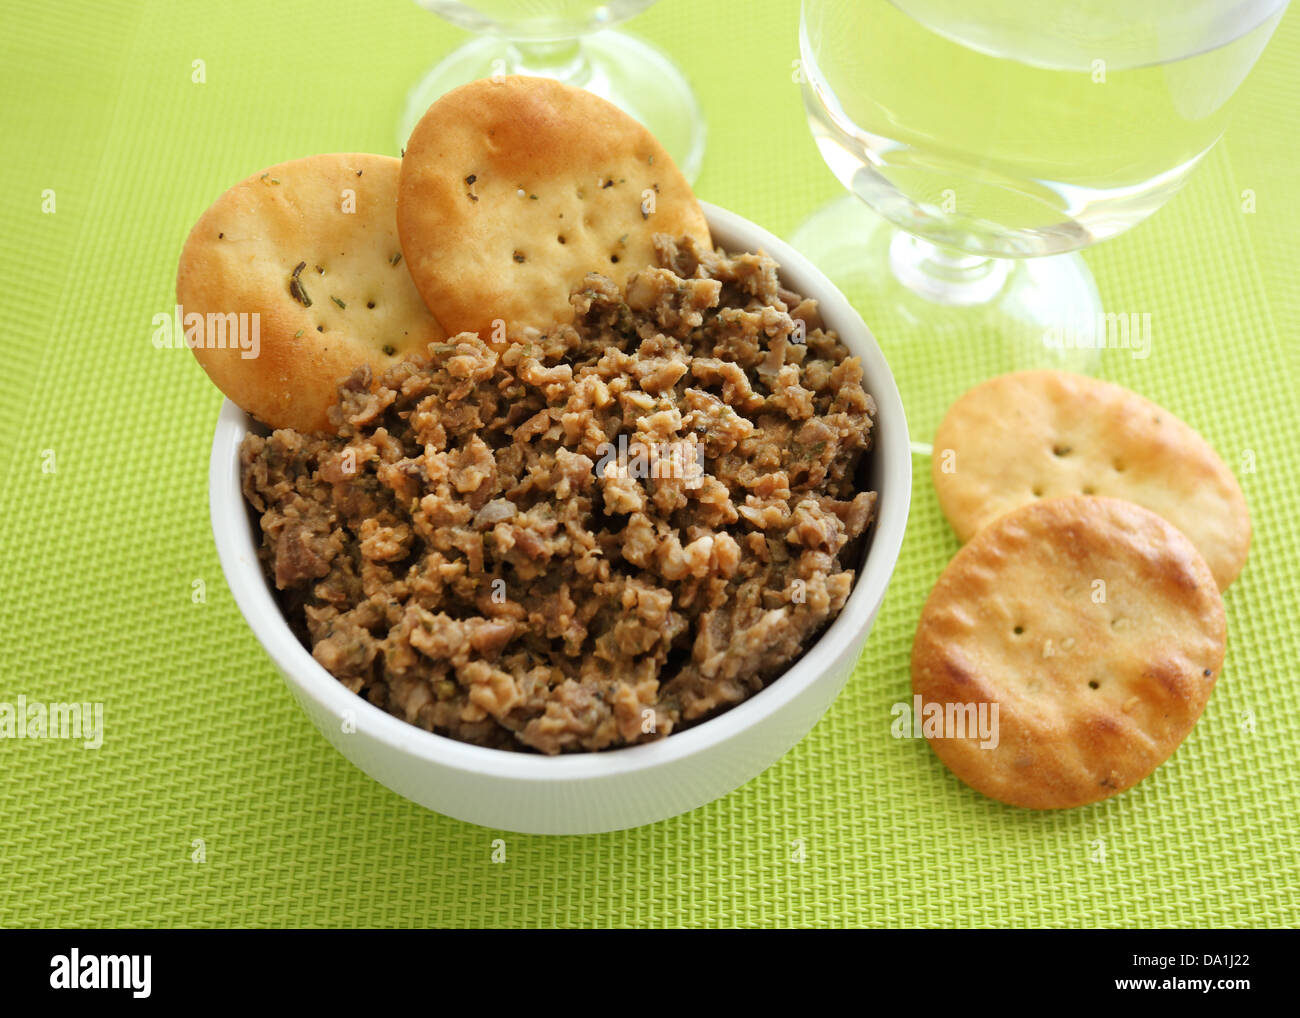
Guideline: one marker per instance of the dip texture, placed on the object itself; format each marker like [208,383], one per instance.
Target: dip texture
[585,539]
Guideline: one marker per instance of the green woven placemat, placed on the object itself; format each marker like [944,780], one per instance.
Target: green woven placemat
[205,756]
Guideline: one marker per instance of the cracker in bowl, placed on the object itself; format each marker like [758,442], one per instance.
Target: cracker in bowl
[512,190]
[309,246]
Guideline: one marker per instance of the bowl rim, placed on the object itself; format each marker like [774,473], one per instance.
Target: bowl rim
[236,550]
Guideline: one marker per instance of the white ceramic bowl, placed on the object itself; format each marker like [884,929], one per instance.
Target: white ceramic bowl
[590,792]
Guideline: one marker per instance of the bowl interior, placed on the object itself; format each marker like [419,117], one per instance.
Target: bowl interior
[888,472]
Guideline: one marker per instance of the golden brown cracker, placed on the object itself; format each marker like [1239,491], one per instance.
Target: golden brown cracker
[1096,628]
[311,247]
[1036,434]
[513,189]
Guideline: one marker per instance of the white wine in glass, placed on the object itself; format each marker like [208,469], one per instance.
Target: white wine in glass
[997,136]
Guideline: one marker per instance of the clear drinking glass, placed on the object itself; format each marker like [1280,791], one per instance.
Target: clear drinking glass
[993,138]
[568,40]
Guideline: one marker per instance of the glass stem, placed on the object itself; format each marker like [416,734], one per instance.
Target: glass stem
[945,275]
[562,59]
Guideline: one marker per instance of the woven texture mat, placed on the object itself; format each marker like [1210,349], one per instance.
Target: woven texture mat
[205,754]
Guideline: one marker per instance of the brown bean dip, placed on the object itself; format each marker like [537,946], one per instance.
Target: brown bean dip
[455,556]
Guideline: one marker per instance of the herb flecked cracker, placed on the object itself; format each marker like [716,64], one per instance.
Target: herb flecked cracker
[512,190]
[1034,434]
[311,247]
[1097,631]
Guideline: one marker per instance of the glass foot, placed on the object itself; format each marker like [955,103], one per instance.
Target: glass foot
[1013,314]
[631,74]
[946,320]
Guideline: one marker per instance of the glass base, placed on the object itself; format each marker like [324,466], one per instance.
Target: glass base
[1016,315]
[959,318]
[631,74]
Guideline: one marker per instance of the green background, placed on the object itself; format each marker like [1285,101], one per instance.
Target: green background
[204,742]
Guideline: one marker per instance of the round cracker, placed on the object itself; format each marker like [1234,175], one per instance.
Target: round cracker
[1036,434]
[514,189]
[1097,629]
[241,257]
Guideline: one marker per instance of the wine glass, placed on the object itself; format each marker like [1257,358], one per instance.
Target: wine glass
[568,40]
[994,139]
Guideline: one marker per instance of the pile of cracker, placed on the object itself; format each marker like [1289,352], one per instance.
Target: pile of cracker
[1100,532]
[510,191]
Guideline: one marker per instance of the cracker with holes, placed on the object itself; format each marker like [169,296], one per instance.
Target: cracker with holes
[311,247]
[1036,434]
[512,190]
[1097,630]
